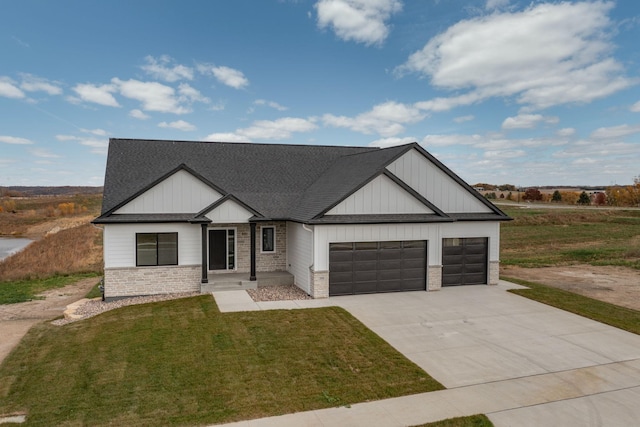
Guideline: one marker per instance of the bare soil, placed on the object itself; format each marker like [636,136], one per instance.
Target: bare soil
[17,319]
[616,285]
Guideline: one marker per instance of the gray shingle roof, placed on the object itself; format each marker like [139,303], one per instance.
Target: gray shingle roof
[278,181]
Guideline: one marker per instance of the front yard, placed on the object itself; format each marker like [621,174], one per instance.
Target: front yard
[182,362]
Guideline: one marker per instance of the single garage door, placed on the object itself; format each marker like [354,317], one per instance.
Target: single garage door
[464,261]
[372,267]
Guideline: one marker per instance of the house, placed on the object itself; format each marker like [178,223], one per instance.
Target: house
[181,216]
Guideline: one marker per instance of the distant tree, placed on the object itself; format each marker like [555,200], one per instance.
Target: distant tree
[510,196]
[502,195]
[557,197]
[507,187]
[584,199]
[532,194]
[600,199]
[490,196]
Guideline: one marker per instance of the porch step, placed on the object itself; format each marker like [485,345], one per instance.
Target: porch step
[227,285]
[274,279]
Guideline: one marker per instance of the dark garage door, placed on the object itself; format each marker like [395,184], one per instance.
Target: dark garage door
[371,267]
[464,261]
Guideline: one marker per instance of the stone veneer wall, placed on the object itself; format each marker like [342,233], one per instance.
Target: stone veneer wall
[276,261]
[434,277]
[494,272]
[319,283]
[132,281]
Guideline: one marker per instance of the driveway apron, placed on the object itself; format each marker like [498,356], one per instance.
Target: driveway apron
[520,362]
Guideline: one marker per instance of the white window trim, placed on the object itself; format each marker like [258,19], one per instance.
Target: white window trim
[275,248]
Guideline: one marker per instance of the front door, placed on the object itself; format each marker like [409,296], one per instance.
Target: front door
[222,249]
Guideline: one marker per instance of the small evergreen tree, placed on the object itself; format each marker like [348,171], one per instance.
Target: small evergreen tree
[584,199]
[557,197]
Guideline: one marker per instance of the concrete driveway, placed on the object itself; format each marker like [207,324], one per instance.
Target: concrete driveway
[520,362]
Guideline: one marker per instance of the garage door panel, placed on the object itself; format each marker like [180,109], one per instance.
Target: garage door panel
[369,267]
[464,261]
[365,276]
[413,263]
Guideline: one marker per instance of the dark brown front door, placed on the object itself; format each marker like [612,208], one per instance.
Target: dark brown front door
[217,249]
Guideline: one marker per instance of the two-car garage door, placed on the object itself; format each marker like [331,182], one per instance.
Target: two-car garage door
[372,267]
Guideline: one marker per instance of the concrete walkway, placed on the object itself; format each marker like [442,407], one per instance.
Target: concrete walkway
[520,362]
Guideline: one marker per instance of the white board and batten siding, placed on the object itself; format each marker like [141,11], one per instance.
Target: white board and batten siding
[380,196]
[229,212]
[435,185]
[432,233]
[120,242]
[299,254]
[179,193]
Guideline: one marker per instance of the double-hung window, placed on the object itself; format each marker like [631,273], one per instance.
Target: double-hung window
[268,239]
[156,249]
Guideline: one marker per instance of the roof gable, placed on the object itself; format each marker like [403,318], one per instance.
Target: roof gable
[438,184]
[381,195]
[180,192]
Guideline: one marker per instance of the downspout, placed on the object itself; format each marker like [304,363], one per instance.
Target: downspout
[313,254]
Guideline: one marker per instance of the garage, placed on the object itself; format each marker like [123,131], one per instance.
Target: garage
[374,267]
[464,261]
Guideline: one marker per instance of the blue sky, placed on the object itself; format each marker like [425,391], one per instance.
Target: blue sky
[502,91]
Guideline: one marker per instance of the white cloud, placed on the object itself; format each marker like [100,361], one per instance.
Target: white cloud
[504,154]
[9,89]
[392,142]
[496,4]
[99,132]
[615,132]
[179,124]
[153,96]
[363,21]
[14,140]
[138,114]
[463,119]
[189,94]
[282,128]
[271,104]
[566,132]
[230,77]
[387,119]
[527,121]
[97,94]
[226,137]
[635,107]
[546,55]
[31,83]
[98,145]
[43,154]
[162,69]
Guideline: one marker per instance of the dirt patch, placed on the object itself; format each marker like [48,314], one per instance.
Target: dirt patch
[17,319]
[617,285]
[56,225]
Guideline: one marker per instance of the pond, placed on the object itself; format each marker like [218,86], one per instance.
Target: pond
[11,245]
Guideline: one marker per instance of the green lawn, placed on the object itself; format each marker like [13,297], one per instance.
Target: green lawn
[12,292]
[471,421]
[182,362]
[604,312]
[546,237]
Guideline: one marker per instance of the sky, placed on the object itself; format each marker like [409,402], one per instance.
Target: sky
[529,93]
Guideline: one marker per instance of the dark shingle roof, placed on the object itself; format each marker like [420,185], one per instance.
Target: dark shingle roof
[278,181]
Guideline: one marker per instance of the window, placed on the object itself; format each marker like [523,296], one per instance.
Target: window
[156,249]
[268,239]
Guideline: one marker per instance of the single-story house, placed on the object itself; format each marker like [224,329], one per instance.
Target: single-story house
[181,216]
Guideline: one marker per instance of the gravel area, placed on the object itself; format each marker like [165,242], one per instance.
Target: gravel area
[95,306]
[277,293]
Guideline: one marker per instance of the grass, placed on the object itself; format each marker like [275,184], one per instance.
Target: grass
[182,362]
[470,421]
[94,292]
[71,251]
[604,312]
[546,237]
[12,292]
